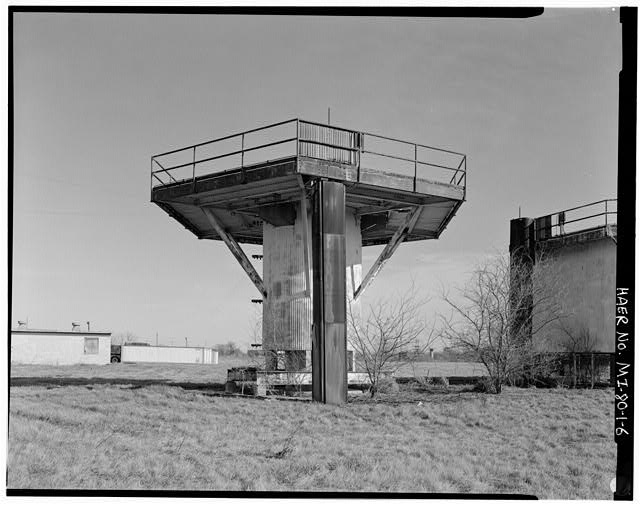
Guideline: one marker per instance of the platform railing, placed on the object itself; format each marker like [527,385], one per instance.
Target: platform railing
[454,163]
[179,165]
[592,215]
[308,139]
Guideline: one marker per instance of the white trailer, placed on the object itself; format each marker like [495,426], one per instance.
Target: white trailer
[53,347]
[168,354]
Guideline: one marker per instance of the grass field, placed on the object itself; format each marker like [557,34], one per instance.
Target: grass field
[144,372]
[550,443]
[203,374]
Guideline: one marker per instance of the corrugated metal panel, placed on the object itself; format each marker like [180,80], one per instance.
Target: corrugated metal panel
[287,311]
[327,135]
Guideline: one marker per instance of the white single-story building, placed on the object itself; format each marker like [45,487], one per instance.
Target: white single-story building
[53,347]
[168,354]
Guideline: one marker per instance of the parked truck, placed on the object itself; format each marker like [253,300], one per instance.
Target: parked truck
[116,353]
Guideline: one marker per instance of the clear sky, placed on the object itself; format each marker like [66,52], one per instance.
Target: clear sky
[532,102]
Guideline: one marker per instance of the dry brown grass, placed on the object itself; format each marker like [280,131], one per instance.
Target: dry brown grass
[550,443]
[162,372]
[159,372]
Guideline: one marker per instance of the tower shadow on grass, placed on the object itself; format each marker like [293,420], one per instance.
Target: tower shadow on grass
[94,381]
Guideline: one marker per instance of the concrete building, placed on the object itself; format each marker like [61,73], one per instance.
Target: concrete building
[168,354]
[580,243]
[53,347]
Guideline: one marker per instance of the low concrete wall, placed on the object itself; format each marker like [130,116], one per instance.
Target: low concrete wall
[59,348]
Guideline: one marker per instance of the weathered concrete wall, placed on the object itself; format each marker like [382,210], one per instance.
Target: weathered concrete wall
[587,274]
[287,312]
[54,348]
[161,354]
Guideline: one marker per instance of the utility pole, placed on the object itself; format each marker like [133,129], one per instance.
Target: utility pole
[186,342]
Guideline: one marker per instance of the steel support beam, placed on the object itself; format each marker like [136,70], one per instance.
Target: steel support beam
[329,340]
[405,229]
[236,250]
[305,237]
[449,217]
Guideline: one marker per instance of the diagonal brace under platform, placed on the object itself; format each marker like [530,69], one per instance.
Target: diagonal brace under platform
[405,228]
[236,250]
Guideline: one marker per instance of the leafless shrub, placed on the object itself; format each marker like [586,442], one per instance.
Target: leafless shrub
[501,318]
[123,338]
[394,329]
[387,384]
[230,349]
[484,385]
[420,379]
[439,381]
[578,338]
[299,379]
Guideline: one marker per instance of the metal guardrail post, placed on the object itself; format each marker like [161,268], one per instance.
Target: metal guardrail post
[194,166]
[244,176]
[415,166]
[465,178]
[360,136]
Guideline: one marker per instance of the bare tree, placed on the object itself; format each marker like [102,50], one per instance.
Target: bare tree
[393,331]
[502,316]
[230,349]
[577,338]
[255,328]
[123,338]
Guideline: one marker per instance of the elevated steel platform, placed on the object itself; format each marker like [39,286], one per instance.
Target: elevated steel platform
[253,177]
[581,224]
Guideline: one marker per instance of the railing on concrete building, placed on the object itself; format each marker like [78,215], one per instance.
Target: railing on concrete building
[300,138]
[584,217]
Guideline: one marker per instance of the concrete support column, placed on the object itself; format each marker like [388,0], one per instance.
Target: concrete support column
[329,340]
[522,259]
